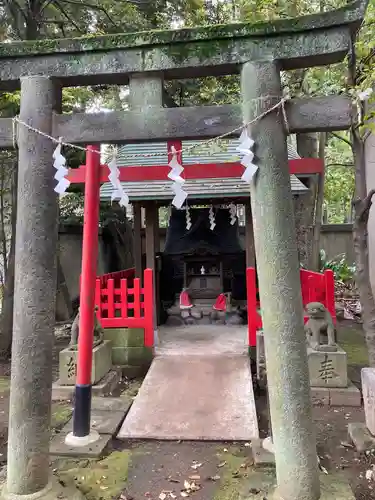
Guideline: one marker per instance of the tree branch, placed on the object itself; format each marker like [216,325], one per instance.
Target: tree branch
[363,206]
[340,165]
[94,7]
[338,136]
[68,17]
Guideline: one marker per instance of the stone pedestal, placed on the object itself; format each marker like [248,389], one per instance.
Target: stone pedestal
[368,391]
[327,369]
[128,350]
[101,363]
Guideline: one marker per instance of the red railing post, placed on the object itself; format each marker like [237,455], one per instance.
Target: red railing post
[98,299]
[82,408]
[148,296]
[251,292]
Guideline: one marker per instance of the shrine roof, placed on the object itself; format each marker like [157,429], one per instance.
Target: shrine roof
[221,151]
[197,188]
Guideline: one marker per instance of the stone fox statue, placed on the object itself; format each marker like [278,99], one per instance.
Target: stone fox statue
[320,323]
[98,330]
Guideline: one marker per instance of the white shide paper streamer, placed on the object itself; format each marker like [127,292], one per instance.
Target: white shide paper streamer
[188,218]
[61,171]
[245,147]
[233,214]
[211,217]
[178,181]
[118,192]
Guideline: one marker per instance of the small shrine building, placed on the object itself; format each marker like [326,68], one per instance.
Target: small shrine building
[203,260]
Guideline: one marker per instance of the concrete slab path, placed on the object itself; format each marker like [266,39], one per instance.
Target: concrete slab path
[194,397]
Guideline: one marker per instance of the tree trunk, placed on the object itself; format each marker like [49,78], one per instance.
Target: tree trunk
[6,318]
[315,251]
[362,205]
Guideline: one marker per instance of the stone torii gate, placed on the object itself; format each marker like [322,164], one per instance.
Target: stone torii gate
[144,60]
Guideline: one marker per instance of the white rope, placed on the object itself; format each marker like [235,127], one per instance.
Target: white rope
[280,103]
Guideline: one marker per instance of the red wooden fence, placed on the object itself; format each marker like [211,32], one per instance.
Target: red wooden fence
[315,287]
[122,302]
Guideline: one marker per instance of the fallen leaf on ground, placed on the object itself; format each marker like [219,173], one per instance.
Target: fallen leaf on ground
[214,478]
[346,444]
[184,494]
[222,464]
[189,487]
[195,477]
[173,480]
[369,475]
[162,496]
[196,465]
[254,491]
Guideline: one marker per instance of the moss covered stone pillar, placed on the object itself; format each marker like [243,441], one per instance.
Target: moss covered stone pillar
[34,295]
[280,291]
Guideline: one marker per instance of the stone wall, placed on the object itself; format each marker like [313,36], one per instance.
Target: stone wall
[70,254]
[337,239]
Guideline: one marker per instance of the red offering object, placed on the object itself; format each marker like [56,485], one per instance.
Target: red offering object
[221,303]
[185,302]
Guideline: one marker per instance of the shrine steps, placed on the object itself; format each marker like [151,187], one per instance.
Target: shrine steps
[194,397]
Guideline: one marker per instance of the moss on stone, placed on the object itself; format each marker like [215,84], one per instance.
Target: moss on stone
[98,480]
[60,414]
[351,13]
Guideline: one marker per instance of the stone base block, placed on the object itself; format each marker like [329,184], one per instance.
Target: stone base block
[109,404]
[320,396]
[348,396]
[368,390]
[125,337]
[132,356]
[59,448]
[53,491]
[101,363]
[105,386]
[336,396]
[361,437]
[327,369]
[261,482]
[334,486]
[102,421]
[261,456]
